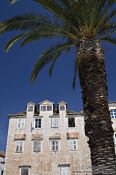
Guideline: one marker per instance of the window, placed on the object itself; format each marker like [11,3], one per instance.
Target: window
[54,145]
[30,108]
[21,124]
[72,144]
[49,108]
[54,122]
[43,108]
[37,146]
[19,146]
[113,113]
[46,108]
[62,108]
[24,171]
[37,123]
[71,122]
[64,170]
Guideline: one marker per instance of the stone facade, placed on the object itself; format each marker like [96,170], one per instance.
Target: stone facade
[48,141]
[2,162]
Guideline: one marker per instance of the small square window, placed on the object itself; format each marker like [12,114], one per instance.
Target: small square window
[62,108]
[49,108]
[30,108]
[37,146]
[113,113]
[71,122]
[24,171]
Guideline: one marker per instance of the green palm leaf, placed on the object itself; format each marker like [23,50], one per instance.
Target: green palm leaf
[109,39]
[49,56]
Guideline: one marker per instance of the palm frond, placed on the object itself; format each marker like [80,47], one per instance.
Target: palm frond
[12,1]
[28,22]
[109,39]
[107,29]
[54,7]
[75,73]
[52,66]
[49,56]
[30,37]
[13,41]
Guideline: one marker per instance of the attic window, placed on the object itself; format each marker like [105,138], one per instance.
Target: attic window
[46,108]
[62,108]
[30,108]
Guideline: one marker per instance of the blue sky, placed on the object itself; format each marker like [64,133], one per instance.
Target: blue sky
[16,67]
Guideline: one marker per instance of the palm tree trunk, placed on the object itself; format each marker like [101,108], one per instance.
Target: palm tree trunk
[98,125]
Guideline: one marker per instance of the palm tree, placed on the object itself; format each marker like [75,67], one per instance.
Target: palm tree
[82,24]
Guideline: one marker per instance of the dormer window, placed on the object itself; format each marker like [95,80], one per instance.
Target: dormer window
[43,108]
[62,107]
[46,108]
[30,108]
[49,108]
[113,113]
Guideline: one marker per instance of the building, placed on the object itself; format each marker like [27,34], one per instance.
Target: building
[2,162]
[112,108]
[46,140]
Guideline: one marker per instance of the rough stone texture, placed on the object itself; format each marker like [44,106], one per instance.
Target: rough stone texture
[47,162]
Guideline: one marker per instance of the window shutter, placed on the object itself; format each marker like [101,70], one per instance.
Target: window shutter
[37,146]
[33,123]
[23,123]
[19,123]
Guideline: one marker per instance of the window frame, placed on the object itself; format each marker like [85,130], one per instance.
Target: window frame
[21,124]
[54,122]
[113,113]
[56,146]
[71,145]
[40,144]
[19,145]
[64,167]
[69,122]
[45,108]
[30,108]
[38,124]
[24,167]
[62,108]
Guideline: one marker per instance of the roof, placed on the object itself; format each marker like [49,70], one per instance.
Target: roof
[21,114]
[2,154]
[56,112]
[110,102]
[46,102]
